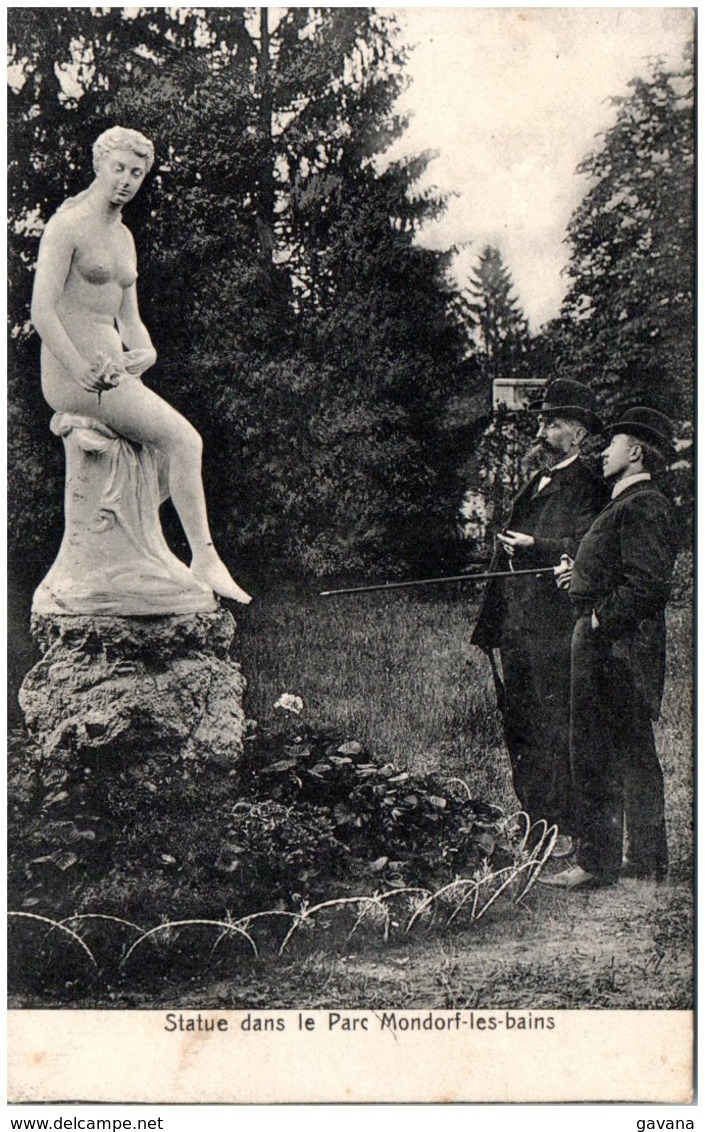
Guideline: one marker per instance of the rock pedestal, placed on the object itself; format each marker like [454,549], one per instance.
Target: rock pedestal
[136,687]
[136,652]
[121,802]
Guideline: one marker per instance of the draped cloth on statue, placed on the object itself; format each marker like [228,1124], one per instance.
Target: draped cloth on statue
[113,558]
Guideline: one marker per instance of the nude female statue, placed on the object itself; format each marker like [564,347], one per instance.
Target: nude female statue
[95,346]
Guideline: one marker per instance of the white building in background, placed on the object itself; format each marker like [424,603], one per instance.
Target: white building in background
[474,517]
[516,392]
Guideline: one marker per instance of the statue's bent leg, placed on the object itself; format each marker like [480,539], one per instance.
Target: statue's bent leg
[136,412]
[113,558]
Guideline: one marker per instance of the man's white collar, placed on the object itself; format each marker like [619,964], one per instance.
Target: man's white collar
[622,485]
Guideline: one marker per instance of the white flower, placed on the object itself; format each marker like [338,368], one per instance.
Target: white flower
[287,702]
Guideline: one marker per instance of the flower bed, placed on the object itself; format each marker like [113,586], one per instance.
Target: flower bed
[124,861]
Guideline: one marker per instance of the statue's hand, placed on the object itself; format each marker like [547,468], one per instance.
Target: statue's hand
[100,374]
[137,361]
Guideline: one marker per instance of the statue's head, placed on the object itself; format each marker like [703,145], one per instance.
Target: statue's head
[117,137]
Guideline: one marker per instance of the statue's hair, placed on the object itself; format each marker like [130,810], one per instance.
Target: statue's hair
[117,137]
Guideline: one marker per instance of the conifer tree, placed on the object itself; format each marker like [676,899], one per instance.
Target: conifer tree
[297,322]
[628,321]
[500,328]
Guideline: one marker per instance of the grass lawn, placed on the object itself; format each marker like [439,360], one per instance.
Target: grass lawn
[397,672]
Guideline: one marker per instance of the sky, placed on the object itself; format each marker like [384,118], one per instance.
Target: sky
[512,99]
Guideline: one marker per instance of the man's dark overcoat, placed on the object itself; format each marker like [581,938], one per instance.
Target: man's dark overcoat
[531,622]
[557,517]
[623,572]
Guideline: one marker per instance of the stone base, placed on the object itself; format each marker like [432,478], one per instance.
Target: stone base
[136,687]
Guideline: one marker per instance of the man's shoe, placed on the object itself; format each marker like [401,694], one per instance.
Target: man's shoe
[573,878]
[563,846]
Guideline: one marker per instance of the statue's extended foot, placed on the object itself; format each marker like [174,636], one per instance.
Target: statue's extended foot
[209,568]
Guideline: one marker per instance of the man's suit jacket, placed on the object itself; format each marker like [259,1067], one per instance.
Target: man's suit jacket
[557,517]
[623,571]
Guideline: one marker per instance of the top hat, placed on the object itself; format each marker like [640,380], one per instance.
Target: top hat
[570,400]
[645,424]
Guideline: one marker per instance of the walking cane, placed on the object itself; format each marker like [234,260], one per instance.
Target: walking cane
[485,577]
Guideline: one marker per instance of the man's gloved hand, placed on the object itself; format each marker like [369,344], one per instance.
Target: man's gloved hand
[564,572]
[514,540]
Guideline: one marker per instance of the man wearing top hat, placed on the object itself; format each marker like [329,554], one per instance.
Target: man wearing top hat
[619,586]
[529,619]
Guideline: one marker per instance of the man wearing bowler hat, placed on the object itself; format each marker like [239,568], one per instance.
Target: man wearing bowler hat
[619,585]
[529,619]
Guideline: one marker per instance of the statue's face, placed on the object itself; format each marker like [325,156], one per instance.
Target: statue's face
[121,174]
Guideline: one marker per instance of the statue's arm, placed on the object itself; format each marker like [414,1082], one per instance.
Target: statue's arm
[56,251]
[134,334]
[140,353]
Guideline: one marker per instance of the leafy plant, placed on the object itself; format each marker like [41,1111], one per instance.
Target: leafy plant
[320,830]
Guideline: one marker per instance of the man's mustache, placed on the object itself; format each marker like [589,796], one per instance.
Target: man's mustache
[537,449]
[533,455]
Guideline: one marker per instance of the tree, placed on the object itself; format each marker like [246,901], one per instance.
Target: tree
[297,322]
[501,460]
[627,322]
[499,326]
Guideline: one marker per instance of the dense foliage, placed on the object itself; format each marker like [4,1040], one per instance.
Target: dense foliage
[305,815]
[305,822]
[297,323]
[502,459]
[628,319]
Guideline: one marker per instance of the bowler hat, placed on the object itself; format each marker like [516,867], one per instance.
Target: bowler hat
[645,424]
[571,400]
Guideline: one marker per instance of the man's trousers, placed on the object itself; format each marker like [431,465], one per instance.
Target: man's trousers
[536,676]
[615,769]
